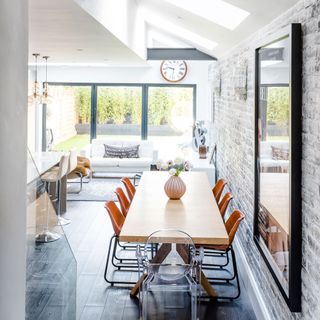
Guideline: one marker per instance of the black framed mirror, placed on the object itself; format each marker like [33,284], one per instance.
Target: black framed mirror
[277,216]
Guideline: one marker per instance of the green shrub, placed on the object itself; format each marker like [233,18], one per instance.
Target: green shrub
[120,105]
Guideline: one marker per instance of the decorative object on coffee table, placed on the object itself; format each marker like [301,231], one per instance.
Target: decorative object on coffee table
[175,188]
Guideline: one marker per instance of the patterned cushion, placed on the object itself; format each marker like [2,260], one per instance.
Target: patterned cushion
[279,153]
[121,152]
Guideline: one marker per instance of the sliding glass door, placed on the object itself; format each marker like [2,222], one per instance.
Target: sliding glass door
[163,114]
[170,119]
[119,112]
[68,117]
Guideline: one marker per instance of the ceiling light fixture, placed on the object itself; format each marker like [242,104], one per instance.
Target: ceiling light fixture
[35,96]
[46,98]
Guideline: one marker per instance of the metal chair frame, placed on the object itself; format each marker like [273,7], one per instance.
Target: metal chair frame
[114,240]
[81,176]
[227,280]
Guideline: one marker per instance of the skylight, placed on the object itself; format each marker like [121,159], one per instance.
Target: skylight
[179,32]
[217,11]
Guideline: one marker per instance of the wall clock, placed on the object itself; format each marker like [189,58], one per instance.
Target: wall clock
[173,70]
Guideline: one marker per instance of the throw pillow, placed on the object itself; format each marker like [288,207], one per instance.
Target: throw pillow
[121,152]
[279,153]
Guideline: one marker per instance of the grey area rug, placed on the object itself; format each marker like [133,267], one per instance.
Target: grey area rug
[98,189]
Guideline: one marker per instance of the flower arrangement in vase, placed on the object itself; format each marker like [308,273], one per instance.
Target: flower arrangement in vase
[174,188]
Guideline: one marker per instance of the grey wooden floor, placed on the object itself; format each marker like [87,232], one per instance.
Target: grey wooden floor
[88,235]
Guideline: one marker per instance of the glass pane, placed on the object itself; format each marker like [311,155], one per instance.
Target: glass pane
[274,157]
[119,113]
[51,271]
[68,117]
[170,120]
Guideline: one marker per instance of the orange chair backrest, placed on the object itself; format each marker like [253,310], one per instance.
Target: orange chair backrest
[218,188]
[123,200]
[223,205]
[131,190]
[233,223]
[117,218]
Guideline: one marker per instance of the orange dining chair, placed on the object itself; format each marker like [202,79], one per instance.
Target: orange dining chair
[130,188]
[123,200]
[223,205]
[117,220]
[218,188]
[232,226]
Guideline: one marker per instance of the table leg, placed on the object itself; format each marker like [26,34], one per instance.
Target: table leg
[208,287]
[63,194]
[135,290]
[162,253]
[183,252]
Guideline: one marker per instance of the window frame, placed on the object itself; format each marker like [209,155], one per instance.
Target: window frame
[144,105]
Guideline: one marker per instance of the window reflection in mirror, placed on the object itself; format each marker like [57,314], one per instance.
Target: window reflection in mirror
[274,156]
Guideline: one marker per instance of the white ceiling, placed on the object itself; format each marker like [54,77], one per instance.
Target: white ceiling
[261,13]
[69,35]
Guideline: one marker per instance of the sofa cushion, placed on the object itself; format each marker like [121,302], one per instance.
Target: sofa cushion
[266,148]
[145,149]
[279,153]
[135,162]
[121,152]
[104,162]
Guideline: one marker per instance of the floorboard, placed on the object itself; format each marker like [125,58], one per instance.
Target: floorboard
[89,235]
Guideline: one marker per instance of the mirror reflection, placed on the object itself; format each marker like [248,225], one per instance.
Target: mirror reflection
[274,156]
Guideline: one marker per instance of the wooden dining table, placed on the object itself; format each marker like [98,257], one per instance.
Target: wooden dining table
[196,213]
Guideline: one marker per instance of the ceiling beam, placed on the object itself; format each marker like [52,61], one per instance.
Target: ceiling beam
[177,54]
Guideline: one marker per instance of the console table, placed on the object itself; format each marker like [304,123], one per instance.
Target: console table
[204,165]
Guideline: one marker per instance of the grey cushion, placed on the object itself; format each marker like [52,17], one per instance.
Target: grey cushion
[121,152]
[280,153]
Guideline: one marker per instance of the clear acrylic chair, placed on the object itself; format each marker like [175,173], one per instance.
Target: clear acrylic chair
[171,272]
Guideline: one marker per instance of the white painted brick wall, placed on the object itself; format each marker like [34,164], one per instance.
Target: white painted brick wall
[234,135]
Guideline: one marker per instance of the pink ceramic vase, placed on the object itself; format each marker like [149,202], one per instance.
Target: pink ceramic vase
[175,188]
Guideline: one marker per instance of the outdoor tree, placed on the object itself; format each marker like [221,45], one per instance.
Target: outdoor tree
[278,107]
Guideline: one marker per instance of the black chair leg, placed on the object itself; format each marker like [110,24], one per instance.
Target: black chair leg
[235,270]
[215,266]
[114,239]
[107,262]
[236,276]
[221,268]
[123,263]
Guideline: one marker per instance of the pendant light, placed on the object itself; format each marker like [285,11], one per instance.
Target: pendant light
[35,96]
[46,98]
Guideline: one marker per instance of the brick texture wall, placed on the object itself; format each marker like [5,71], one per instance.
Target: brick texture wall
[234,135]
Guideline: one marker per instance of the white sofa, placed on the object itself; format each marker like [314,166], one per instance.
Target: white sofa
[96,150]
[267,162]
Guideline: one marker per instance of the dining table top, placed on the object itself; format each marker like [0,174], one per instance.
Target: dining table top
[196,213]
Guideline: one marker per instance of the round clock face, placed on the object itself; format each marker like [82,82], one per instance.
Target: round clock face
[173,70]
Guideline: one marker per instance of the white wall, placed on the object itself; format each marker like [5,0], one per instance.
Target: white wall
[13,144]
[197,74]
